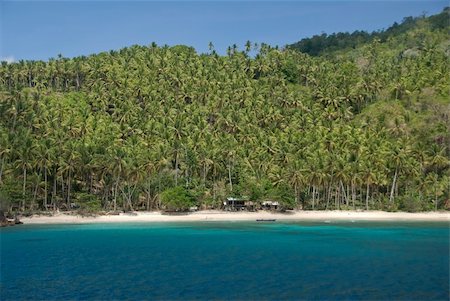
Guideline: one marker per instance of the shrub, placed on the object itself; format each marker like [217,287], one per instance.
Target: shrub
[88,202]
[409,203]
[177,199]
[284,195]
[4,201]
[11,195]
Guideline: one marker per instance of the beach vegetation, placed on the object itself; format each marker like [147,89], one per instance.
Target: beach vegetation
[177,199]
[87,202]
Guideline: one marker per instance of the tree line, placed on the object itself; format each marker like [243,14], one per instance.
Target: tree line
[328,43]
[116,130]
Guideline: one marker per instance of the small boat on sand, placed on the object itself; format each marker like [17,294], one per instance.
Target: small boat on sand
[265,220]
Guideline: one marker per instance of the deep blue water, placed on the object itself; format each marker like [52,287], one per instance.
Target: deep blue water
[226,261]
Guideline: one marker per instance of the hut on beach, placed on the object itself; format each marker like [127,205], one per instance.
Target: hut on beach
[238,203]
[270,205]
[243,203]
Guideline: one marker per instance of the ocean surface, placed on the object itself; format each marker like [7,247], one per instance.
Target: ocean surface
[226,261]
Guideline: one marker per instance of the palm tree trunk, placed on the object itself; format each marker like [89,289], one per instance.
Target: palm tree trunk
[337,194]
[328,204]
[148,196]
[55,177]
[91,182]
[348,194]
[130,198]
[68,189]
[344,192]
[367,195]
[314,197]
[318,196]
[62,186]
[295,193]
[128,195]
[176,168]
[435,198]
[329,193]
[360,194]
[338,202]
[36,186]
[115,194]
[45,184]
[371,199]
[391,197]
[229,177]
[353,194]
[24,187]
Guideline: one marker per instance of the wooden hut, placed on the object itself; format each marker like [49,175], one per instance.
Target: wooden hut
[270,205]
[235,204]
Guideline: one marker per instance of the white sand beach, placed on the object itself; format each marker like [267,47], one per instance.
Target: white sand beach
[212,215]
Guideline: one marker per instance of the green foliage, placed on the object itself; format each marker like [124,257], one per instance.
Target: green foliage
[326,44]
[410,203]
[333,131]
[5,201]
[177,199]
[440,21]
[11,195]
[88,202]
[252,188]
[282,194]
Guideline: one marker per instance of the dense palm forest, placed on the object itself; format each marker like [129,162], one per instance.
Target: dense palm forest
[360,129]
[328,44]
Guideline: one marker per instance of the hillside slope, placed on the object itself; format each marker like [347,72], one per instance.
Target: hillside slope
[343,41]
[366,128]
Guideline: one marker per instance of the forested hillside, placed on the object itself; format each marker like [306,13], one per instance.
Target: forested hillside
[367,128]
[325,44]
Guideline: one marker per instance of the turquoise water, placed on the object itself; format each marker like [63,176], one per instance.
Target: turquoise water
[226,261]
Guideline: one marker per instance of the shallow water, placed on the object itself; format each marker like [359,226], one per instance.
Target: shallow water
[226,261]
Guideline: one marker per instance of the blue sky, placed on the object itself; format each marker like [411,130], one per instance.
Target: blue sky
[44,29]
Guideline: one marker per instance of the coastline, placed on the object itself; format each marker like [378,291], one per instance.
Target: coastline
[216,215]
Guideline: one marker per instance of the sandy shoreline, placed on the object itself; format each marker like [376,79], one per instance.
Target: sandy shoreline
[211,215]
